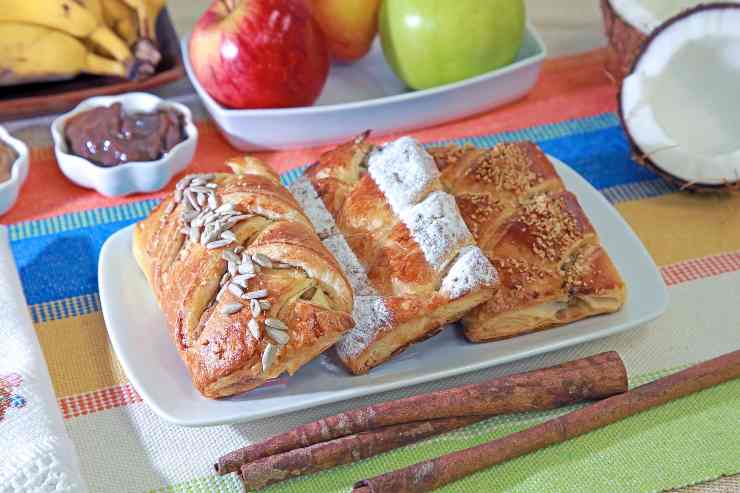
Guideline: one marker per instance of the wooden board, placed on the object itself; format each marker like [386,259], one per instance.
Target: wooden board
[56,97]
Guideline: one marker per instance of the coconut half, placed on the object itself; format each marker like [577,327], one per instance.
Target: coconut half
[628,24]
[680,104]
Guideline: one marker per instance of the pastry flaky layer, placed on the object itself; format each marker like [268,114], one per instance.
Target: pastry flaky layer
[246,285]
[552,265]
[411,259]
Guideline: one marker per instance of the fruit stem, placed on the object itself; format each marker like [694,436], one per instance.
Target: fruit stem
[229,4]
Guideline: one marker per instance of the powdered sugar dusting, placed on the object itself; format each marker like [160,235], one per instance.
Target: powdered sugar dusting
[404,171]
[351,266]
[313,207]
[370,314]
[470,271]
[438,228]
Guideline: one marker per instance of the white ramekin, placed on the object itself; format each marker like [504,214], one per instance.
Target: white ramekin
[132,177]
[10,189]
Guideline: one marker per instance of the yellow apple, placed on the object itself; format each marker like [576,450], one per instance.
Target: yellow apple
[349,25]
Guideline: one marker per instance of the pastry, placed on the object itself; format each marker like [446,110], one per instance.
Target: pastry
[553,268]
[247,287]
[411,259]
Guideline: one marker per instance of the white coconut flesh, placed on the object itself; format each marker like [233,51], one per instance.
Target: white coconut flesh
[681,103]
[646,15]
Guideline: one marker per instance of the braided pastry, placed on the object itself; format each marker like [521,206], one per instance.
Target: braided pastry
[246,285]
[412,262]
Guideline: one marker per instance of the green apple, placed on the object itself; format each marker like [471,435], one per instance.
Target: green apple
[429,43]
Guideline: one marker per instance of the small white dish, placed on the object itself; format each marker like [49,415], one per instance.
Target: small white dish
[131,177]
[367,95]
[138,332]
[10,189]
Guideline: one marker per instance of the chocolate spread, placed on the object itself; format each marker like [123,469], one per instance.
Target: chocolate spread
[7,158]
[108,136]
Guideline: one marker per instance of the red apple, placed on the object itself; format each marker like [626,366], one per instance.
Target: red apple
[259,53]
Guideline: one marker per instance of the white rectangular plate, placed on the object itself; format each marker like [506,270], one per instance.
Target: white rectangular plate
[138,331]
[367,95]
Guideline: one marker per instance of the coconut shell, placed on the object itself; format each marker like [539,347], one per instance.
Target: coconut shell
[625,42]
[637,154]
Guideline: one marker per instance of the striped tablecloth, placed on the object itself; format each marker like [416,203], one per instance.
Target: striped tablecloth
[57,230]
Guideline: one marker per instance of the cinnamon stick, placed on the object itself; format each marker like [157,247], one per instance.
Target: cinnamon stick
[297,462]
[594,377]
[433,474]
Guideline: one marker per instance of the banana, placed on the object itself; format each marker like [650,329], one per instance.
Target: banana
[36,53]
[122,19]
[72,17]
[147,12]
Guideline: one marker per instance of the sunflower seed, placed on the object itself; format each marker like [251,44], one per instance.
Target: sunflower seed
[265,305]
[254,328]
[281,265]
[238,250]
[194,233]
[211,185]
[228,235]
[197,222]
[268,357]
[220,295]
[199,188]
[231,308]
[247,269]
[276,324]
[225,207]
[240,281]
[218,244]
[178,195]
[201,198]
[192,199]
[255,308]
[197,181]
[184,182]
[212,201]
[235,290]
[188,215]
[230,256]
[277,335]
[170,207]
[231,267]
[224,279]
[209,217]
[243,278]
[255,295]
[262,260]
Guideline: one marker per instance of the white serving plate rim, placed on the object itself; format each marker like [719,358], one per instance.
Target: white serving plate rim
[251,412]
[396,98]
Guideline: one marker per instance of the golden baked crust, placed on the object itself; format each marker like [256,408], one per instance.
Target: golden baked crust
[197,289]
[553,269]
[414,264]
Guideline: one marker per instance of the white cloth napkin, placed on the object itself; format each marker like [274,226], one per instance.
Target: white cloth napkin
[36,455]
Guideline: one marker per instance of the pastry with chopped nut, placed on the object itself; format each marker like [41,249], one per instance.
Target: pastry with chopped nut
[247,287]
[552,265]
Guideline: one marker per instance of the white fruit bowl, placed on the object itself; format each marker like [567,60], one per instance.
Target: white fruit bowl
[10,189]
[132,177]
[367,95]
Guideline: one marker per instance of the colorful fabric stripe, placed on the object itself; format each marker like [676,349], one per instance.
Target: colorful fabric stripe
[80,405]
[691,270]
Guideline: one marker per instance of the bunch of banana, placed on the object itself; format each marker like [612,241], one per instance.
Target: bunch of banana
[43,40]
